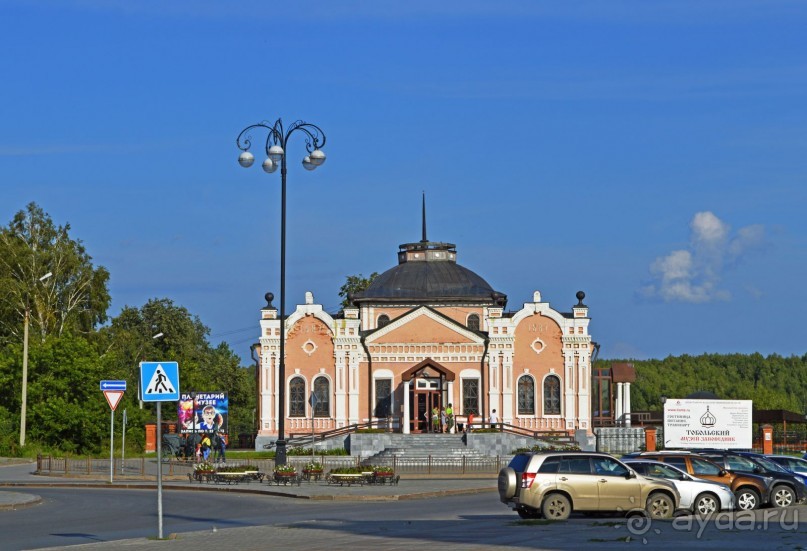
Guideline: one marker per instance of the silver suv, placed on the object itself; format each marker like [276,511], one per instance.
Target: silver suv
[554,484]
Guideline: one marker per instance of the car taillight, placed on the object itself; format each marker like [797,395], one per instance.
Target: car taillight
[527,479]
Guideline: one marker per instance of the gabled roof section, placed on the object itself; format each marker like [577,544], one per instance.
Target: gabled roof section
[428,363]
[441,323]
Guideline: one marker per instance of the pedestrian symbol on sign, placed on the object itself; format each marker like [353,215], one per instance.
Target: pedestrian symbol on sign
[159,383]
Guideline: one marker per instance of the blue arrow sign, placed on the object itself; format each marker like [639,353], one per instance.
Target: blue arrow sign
[113,385]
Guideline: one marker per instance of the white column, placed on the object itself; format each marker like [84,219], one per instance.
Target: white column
[626,401]
[405,419]
[353,388]
[507,415]
[618,405]
[493,389]
[583,400]
[569,409]
[340,408]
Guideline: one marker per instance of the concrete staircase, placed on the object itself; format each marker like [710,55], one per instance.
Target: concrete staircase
[425,446]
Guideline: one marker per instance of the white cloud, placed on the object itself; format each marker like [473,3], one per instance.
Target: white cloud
[694,274]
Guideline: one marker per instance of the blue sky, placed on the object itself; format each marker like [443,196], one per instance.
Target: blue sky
[652,154]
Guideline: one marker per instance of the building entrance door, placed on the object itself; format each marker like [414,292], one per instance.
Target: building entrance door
[424,398]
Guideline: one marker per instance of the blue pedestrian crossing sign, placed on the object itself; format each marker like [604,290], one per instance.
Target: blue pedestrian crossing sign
[159,381]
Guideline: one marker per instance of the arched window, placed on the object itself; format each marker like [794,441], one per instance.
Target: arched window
[473,322]
[383,320]
[322,390]
[552,395]
[526,395]
[297,397]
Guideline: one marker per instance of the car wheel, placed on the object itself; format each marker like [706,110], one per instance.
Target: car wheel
[556,507]
[507,483]
[523,512]
[660,506]
[747,499]
[706,505]
[782,496]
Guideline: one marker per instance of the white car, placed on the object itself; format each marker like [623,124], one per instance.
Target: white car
[793,464]
[702,497]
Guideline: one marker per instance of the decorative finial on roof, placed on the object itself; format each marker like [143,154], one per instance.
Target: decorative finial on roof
[269,298]
[424,240]
[580,296]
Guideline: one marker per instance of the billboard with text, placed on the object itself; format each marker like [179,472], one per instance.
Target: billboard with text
[723,424]
[202,412]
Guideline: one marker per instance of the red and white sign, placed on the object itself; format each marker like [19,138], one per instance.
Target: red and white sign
[113,397]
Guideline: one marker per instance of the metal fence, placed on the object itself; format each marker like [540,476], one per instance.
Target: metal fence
[146,468]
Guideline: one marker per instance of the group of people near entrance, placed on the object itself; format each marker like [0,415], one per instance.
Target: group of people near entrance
[442,420]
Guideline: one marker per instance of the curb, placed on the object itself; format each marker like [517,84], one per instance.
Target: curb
[244,490]
[21,501]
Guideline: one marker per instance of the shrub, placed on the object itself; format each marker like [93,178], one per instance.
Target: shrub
[285,469]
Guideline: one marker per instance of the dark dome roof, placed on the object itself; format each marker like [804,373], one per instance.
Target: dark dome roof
[428,281]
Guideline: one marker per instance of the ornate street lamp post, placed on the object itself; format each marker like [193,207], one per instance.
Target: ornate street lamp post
[275,146]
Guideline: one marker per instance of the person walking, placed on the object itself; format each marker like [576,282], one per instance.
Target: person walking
[443,420]
[206,445]
[221,446]
[494,419]
[435,419]
[450,418]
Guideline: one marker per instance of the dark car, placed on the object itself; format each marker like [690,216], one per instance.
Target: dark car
[787,489]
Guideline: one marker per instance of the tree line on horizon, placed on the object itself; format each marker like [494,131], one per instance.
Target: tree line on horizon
[74,344]
[772,382]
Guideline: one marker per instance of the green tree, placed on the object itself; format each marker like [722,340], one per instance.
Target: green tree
[354,284]
[65,408]
[74,297]
[130,339]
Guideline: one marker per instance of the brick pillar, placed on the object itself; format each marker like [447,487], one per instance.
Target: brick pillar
[767,439]
[650,439]
[151,437]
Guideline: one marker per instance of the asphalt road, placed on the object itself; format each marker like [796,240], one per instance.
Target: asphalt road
[77,516]
[94,519]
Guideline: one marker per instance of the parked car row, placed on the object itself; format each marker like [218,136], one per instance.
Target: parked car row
[656,484]
[755,479]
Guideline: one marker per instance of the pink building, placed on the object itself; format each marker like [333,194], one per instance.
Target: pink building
[427,333]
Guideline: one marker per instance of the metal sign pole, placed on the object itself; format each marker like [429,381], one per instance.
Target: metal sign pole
[123,443]
[159,471]
[111,445]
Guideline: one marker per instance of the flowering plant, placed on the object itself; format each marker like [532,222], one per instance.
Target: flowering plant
[204,466]
[285,469]
[313,466]
[382,469]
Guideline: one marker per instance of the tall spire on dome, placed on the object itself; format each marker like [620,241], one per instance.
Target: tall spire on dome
[424,240]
